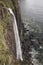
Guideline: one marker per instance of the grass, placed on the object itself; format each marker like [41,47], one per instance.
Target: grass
[5,57]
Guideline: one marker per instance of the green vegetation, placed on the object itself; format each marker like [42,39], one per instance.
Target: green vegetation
[5,57]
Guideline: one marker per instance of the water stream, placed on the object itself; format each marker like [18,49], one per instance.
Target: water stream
[17,38]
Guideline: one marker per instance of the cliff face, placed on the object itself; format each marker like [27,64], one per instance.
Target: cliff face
[7,42]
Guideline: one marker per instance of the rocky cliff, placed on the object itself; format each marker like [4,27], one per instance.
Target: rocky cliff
[7,42]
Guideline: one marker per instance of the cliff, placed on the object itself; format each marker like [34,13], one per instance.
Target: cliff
[7,42]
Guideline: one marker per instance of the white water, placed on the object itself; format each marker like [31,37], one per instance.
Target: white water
[17,38]
[41,47]
[33,54]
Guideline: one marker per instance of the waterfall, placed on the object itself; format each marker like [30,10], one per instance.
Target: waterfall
[17,38]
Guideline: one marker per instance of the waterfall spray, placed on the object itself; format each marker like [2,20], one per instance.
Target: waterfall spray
[17,38]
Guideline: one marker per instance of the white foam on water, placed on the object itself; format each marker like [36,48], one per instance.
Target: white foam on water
[33,54]
[41,47]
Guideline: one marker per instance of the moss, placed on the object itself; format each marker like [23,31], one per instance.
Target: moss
[5,56]
[4,50]
[7,3]
[3,46]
